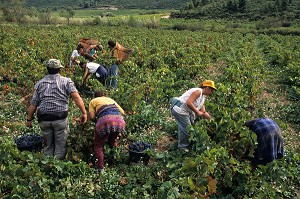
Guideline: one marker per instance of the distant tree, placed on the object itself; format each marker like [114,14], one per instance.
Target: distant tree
[242,6]
[45,16]
[7,15]
[67,13]
[20,14]
[13,10]
[232,6]
[284,5]
[196,3]
[204,2]
[281,5]
[32,12]
[86,5]
[189,6]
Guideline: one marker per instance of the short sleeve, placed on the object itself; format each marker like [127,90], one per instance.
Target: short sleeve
[71,86]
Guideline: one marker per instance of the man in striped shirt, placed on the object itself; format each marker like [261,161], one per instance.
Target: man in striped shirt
[269,139]
[50,100]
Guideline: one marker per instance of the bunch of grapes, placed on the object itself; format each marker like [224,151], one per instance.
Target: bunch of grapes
[29,141]
[139,146]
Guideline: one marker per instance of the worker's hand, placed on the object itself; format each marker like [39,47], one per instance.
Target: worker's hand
[120,135]
[83,118]
[29,124]
[83,85]
[200,113]
[206,115]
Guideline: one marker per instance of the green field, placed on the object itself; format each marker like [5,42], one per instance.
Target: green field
[131,12]
[256,73]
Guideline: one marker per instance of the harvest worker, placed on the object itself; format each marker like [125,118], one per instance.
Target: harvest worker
[91,52]
[118,51]
[75,54]
[50,100]
[121,54]
[107,114]
[90,68]
[189,105]
[91,47]
[269,139]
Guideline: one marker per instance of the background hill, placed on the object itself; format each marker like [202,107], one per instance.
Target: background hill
[251,9]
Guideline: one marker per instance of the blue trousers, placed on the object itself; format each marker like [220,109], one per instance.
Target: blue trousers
[112,76]
[183,121]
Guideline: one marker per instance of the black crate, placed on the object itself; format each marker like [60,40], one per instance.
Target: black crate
[30,142]
[137,152]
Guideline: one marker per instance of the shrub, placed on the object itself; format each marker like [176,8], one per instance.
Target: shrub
[152,23]
[269,22]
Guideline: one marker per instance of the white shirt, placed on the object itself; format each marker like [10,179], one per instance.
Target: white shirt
[74,54]
[198,103]
[92,66]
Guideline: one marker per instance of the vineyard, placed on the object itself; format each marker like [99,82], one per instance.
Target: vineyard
[256,75]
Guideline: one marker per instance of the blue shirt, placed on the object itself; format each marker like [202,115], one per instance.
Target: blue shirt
[265,125]
[270,142]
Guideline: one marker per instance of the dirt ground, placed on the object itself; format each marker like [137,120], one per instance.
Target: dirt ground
[164,143]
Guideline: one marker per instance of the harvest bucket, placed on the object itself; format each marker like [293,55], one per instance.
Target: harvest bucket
[137,152]
[30,142]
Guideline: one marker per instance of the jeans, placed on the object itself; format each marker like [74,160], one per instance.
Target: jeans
[55,134]
[112,76]
[99,145]
[183,121]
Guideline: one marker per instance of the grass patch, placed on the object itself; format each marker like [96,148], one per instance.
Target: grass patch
[86,13]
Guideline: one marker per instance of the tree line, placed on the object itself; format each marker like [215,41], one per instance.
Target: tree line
[251,9]
[16,11]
